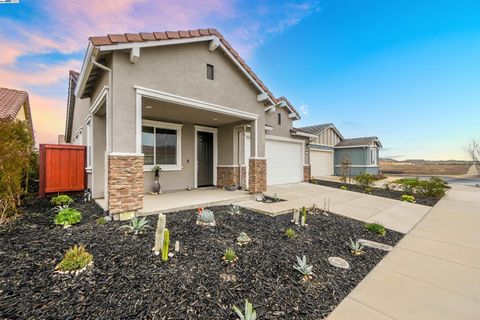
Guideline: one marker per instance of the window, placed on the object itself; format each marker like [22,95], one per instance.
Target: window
[161,144]
[373,156]
[279,117]
[210,72]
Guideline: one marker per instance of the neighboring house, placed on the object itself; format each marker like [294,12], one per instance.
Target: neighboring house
[14,105]
[362,153]
[183,100]
[328,149]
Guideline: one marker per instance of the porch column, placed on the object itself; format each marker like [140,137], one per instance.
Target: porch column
[257,164]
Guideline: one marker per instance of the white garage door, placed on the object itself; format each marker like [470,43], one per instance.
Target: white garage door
[284,161]
[321,163]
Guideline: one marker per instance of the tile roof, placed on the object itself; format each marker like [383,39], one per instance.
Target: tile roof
[364,141]
[316,129]
[10,102]
[113,39]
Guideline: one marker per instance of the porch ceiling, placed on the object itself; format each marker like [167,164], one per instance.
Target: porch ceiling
[161,110]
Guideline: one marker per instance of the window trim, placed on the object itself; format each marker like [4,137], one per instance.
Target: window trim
[213,71]
[89,144]
[373,156]
[171,126]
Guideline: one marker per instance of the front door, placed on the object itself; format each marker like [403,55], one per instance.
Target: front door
[204,159]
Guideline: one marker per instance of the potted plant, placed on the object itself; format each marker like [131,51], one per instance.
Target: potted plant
[156,185]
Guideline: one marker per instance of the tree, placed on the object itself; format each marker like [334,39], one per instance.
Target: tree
[473,150]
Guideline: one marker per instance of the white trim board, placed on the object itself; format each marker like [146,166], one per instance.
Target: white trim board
[214,131]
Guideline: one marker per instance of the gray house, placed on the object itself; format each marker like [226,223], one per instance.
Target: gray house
[360,155]
[328,149]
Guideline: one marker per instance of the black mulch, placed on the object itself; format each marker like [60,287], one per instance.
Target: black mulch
[381,192]
[128,281]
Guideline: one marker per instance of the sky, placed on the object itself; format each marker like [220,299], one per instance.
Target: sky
[405,71]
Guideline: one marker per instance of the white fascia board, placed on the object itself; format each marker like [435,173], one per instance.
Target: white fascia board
[86,68]
[347,147]
[303,134]
[154,43]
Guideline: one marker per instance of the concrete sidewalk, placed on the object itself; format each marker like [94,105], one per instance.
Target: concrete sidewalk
[433,273]
[393,214]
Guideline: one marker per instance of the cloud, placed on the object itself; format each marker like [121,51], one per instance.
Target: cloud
[48,116]
[304,109]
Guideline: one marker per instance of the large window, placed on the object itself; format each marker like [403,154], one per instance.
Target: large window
[161,144]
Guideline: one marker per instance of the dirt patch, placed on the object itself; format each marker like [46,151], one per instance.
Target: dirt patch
[424,168]
[380,192]
[128,281]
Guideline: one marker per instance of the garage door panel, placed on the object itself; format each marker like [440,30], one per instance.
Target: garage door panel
[321,163]
[284,162]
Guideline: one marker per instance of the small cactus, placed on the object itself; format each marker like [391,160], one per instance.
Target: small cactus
[166,243]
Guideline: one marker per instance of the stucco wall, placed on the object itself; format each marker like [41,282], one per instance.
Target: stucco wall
[282,130]
[180,70]
[79,116]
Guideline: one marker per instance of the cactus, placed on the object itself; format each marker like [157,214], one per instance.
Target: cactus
[304,216]
[159,233]
[166,243]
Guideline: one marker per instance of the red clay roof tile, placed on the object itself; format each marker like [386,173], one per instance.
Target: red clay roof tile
[184,34]
[194,33]
[118,38]
[147,36]
[160,35]
[203,32]
[10,102]
[173,35]
[100,41]
[134,37]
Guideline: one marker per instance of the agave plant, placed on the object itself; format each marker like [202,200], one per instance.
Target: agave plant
[230,256]
[304,268]
[235,210]
[136,225]
[356,247]
[205,217]
[250,313]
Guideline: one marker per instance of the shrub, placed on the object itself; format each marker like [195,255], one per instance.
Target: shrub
[230,256]
[16,152]
[368,190]
[376,228]
[68,217]
[408,198]
[75,258]
[290,233]
[62,201]
[343,188]
[136,226]
[387,186]
[408,185]
[433,187]
[379,176]
[304,268]
[365,180]
[101,220]
[250,313]
[356,247]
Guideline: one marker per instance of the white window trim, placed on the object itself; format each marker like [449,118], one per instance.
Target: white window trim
[215,153]
[89,143]
[373,156]
[166,125]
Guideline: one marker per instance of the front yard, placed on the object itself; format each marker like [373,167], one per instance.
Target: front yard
[128,281]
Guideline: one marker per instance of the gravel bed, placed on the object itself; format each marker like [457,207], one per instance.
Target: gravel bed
[380,192]
[127,281]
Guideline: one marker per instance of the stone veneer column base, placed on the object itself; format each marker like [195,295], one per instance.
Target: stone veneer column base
[227,176]
[125,184]
[306,173]
[257,179]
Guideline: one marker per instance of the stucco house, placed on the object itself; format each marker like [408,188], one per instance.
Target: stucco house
[183,100]
[15,105]
[328,149]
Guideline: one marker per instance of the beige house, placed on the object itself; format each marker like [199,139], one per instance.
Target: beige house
[15,105]
[183,100]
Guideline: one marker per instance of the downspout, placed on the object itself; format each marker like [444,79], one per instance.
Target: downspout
[239,157]
[108,124]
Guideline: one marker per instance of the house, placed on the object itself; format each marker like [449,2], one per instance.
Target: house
[331,154]
[15,105]
[184,100]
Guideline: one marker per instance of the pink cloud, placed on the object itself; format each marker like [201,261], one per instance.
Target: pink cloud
[48,116]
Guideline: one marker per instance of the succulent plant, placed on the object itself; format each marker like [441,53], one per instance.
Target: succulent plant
[376,228]
[230,256]
[62,201]
[290,233]
[243,238]
[166,243]
[250,313]
[355,247]
[304,268]
[67,217]
[136,225]
[206,217]
[235,210]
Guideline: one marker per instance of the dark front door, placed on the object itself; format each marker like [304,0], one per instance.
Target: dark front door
[204,159]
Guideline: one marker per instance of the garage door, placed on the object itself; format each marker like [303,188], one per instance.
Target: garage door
[321,163]
[284,161]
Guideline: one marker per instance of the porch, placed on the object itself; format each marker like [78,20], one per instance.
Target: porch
[184,200]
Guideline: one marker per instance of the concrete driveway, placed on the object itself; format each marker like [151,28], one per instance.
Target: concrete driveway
[393,214]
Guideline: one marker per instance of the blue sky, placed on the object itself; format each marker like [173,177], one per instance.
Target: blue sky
[405,71]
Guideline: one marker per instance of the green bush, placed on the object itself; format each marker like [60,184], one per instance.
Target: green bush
[62,200]
[290,233]
[343,188]
[408,198]
[101,220]
[433,187]
[16,151]
[68,217]
[75,258]
[365,180]
[408,185]
[376,228]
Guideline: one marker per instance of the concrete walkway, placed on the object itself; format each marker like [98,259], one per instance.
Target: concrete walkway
[393,214]
[433,273]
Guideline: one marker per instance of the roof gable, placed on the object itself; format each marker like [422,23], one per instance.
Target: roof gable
[319,128]
[11,102]
[359,142]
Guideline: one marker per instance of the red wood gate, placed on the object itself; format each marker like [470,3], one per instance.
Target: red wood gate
[62,168]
